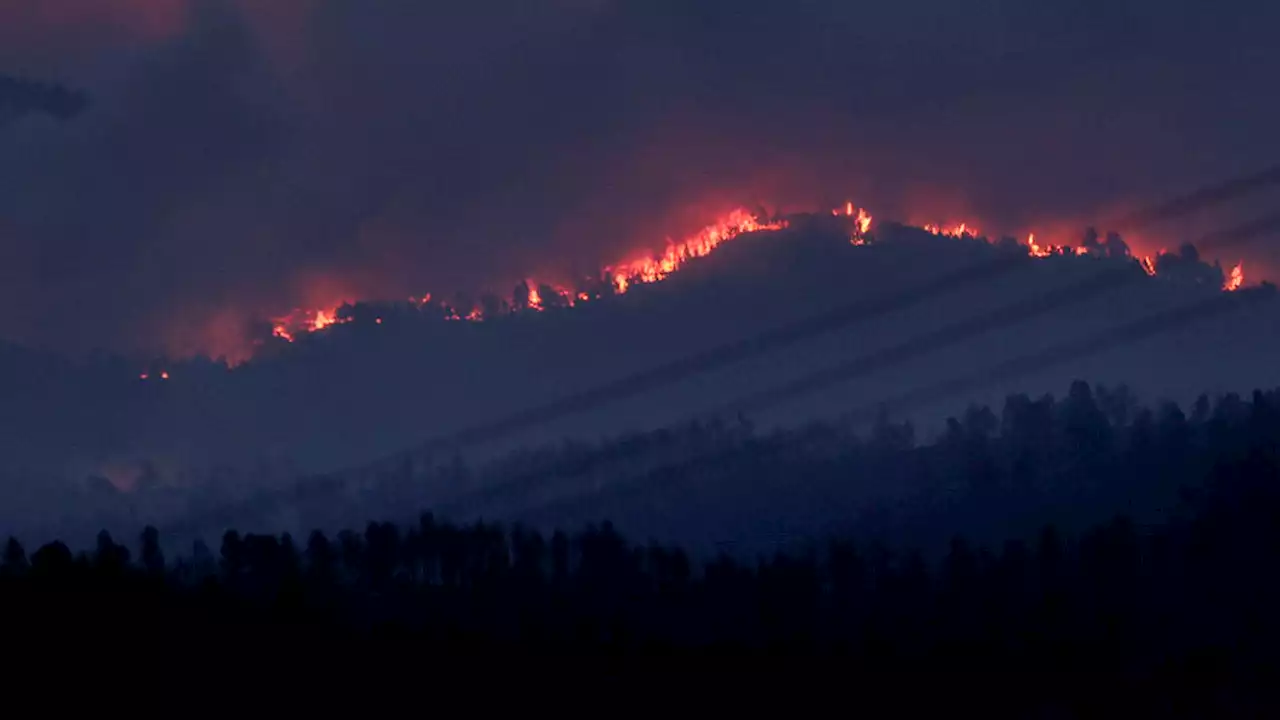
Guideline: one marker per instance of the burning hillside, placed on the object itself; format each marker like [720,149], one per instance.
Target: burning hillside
[532,295]
[617,279]
[1112,246]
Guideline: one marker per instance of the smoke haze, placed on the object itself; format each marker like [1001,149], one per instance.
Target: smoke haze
[244,158]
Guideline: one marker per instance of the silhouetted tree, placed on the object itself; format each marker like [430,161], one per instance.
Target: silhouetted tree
[52,561]
[109,557]
[520,296]
[1090,240]
[551,298]
[15,557]
[152,556]
[1115,246]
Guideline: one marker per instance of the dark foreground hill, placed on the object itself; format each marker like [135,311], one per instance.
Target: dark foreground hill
[1174,617]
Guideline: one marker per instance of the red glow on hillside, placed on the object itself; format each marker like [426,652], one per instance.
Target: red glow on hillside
[653,267]
[640,269]
[957,230]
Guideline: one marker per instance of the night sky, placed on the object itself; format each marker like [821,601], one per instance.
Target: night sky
[242,157]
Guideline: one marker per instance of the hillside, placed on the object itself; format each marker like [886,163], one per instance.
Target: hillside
[361,391]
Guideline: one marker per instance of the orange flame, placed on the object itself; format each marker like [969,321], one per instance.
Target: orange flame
[863,219]
[1236,279]
[323,320]
[651,269]
[958,230]
[861,222]
[287,327]
[1034,248]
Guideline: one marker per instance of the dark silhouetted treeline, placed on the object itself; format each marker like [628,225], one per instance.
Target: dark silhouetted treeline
[1193,596]
[1069,460]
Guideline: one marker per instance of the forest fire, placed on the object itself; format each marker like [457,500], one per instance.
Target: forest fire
[539,296]
[651,269]
[957,231]
[620,278]
[861,222]
[287,327]
[1235,280]
[1044,250]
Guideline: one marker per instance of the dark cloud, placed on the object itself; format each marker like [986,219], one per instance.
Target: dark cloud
[243,157]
